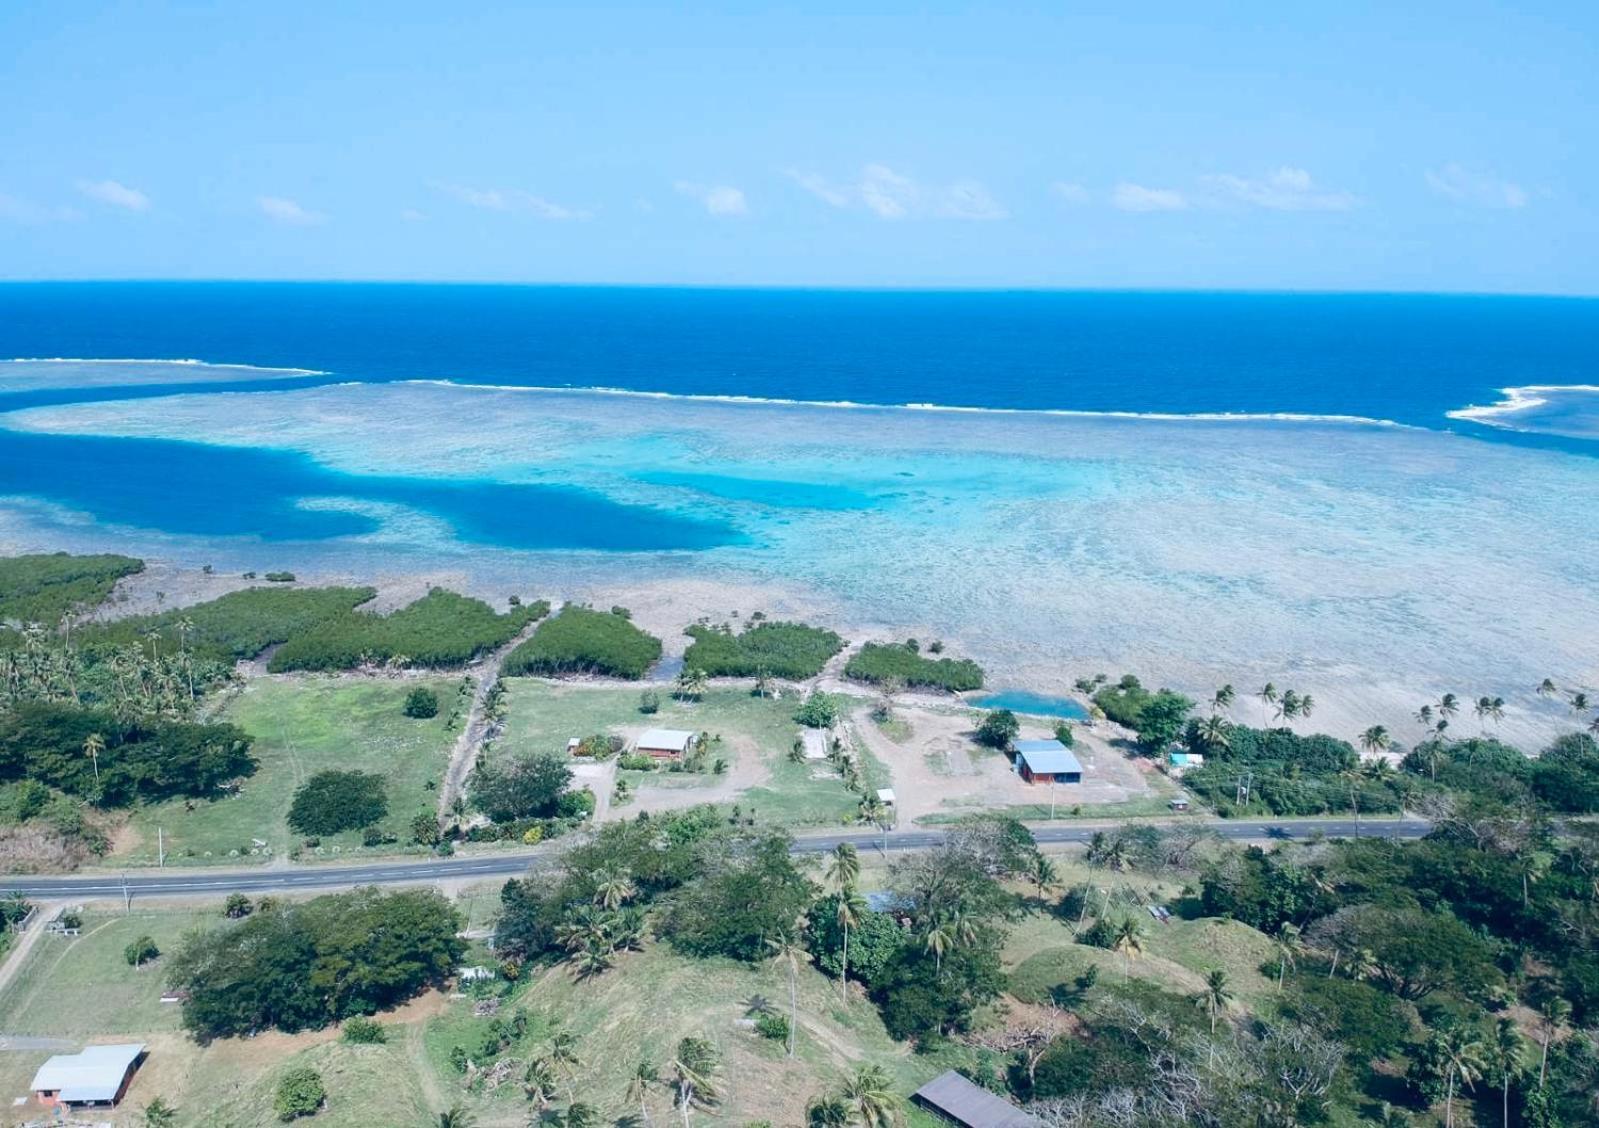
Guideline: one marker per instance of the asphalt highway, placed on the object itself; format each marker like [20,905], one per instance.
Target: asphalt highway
[290,879]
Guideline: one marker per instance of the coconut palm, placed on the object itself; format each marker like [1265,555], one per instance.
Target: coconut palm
[1486,709]
[827,1111]
[870,1096]
[1215,997]
[1222,699]
[1448,706]
[1376,739]
[1547,688]
[613,888]
[1268,697]
[1463,1056]
[1504,1058]
[1042,873]
[844,866]
[1580,704]
[851,907]
[763,683]
[1307,705]
[1216,732]
[540,1081]
[1553,1014]
[458,1117]
[694,1075]
[938,939]
[786,951]
[93,745]
[691,684]
[1354,777]
[638,1087]
[580,1115]
[1289,946]
[1288,705]
[1129,940]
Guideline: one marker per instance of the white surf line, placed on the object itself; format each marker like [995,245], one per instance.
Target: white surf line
[186,361]
[1520,398]
[1070,413]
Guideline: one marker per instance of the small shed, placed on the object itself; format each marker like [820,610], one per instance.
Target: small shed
[97,1076]
[885,796]
[957,1100]
[1047,761]
[572,745]
[665,744]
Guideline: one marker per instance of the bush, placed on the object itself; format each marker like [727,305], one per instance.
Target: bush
[649,702]
[770,1024]
[581,640]
[819,710]
[425,829]
[41,589]
[421,703]
[879,662]
[440,630]
[237,907]
[300,1093]
[279,577]
[998,729]
[1065,733]
[780,650]
[577,804]
[363,1031]
[634,762]
[141,951]
[337,800]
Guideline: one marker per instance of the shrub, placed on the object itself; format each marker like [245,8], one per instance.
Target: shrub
[279,577]
[577,804]
[337,800]
[363,1031]
[421,703]
[237,906]
[41,589]
[777,649]
[582,640]
[141,951]
[1065,733]
[425,829]
[442,629]
[649,702]
[300,1093]
[878,662]
[819,710]
[771,1024]
[634,762]
[998,729]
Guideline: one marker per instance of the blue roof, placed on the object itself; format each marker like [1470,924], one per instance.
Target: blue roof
[1047,757]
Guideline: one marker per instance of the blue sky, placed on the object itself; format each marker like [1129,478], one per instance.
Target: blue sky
[1422,146]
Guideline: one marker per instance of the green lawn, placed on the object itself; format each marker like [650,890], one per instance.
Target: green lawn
[303,725]
[366,1085]
[757,734]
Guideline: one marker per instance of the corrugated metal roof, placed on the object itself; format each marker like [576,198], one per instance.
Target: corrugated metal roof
[93,1075]
[952,1096]
[1049,756]
[667,740]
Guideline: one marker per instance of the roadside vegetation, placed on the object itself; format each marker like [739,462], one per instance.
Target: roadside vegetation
[580,640]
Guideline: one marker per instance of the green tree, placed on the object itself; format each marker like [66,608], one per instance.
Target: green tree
[1215,997]
[141,951]
[237,907]
[457,1117]
[644,1075]
[870,1095]
[300,1093]
[827,1111]
[1462,1052]
[1504,1060]
[1161,721]
[787,952]
[508,788]
[421,703]
[998,729]
[335,800]
[694,1075]
[159,1114]
[691,684]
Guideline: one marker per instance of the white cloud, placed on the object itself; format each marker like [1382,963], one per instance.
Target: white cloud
[283,210]
[1069,193]
[1137,198]
[718,199]
[1286,189]
[516,201]
[115,194]
[892,195]
[1467,186]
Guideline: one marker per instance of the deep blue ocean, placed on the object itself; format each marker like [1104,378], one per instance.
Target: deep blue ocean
[1407,359]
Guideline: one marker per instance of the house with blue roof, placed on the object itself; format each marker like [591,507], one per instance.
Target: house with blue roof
[1047,761]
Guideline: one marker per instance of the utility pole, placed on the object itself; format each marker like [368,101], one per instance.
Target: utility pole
[1051,798]
[160,848]
[127,897]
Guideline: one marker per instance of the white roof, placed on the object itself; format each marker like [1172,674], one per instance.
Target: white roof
[93,1075]
[885,794]
[671,740]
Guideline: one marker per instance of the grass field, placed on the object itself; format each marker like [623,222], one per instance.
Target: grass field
[757,734]
[302,726]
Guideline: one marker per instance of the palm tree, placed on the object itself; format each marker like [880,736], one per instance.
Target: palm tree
[613,888]
[871,1097]
[786,950]
[1216,732]
[1222,698]
[1376,739]
[540,1082]
[1554,1013]
[638,1087]
[1488,708]
[1288,949]
[827,1111]
[1580,704]
[873,810]
[458,1117]
[1504,1057]
[1353,777]
[1268,698]
[1215,997]
[1288,705]
[1462,1051]
[1547,688]
[159,1114]
[851,907]
[694,1070]
[93,745]
[580,1115]
[938,940]
[1307,705]
[844,866]
[1448,706]
[763,683]
[1042,873]
[691,684]
[1129,940]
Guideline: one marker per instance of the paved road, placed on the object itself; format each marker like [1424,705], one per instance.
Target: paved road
[217,882]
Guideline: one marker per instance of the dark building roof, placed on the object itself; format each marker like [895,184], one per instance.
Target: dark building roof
[955,1098]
